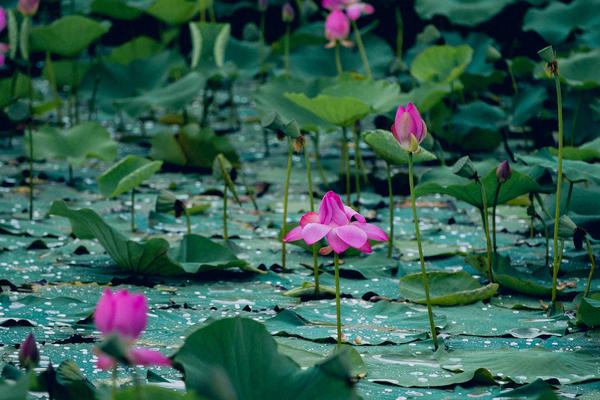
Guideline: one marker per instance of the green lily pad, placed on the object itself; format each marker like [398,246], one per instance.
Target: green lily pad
[340,111]
[441,64]
[153,256]
[137,48]
[67,36]
[581,70]
[387,147]
[574,170]
[467,13]
[173,12]
[446,288]
[75,145]
[126,175]
[588,312]
[382,96]
[237,358]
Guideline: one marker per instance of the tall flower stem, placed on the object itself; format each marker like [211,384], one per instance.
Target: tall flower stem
[225,216]
[262,43]
[338,305]
[132,210]
[320,168]
[357,163]
[486,228]
[286,44]
[114,377]
[338,60]
[391,205]
[496,195]
[559,179]
[424,275]
[30,135]
[362,51]
[588,285]
[346,163]
[311,199]
[285,201]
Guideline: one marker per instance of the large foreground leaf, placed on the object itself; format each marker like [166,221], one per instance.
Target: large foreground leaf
[237,358]
[153,256]
[446,288]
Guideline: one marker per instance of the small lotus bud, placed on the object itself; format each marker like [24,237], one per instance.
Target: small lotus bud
[567,229]
[263,5]
[28,7]
[464,167]
[29,356]
[503,172]
[287,13]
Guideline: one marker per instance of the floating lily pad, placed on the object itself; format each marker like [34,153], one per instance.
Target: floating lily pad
[441,64]
[67,36]
[387,147]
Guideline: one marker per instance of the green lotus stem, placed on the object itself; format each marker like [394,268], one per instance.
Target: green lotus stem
[74,89]
[71,174]
[322,175]
[391,205]
[202,4]
[286,46]
[225,232]
[338,305]
[30,134]
[546,235]
[262,42]
[132,210]
[555,255]
[357,167]
[588,285]
[338,60]
[346,163]
[496,195]
[114,377]
[361,50]
[266,143]
[249,191]
[285,201]
[512,78]
[188,220]
[361,162]
[575,116]
[399,34]
[569,196]
[424,275]
[486,227]
[311,199]
[54,86]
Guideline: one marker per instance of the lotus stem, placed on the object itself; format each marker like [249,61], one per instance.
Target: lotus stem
[399,34]
[338,305]
[53,86]
[71,181]
[338,60]
[311,199]
[424,275]
[357,167]
[593,262]
[346,163]
[559,179]
[132,210]
[285,201]
[225,216]
[262,43]
[188,220]
[496,195]
[486,228]
[286,45]
[114,377]
[322,175]
[391,205]
[361,50]
[30,134]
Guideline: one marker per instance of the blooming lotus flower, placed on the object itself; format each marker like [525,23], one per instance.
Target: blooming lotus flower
[125,314]
[2,19]
[503,172]
[28,7]
[29,355]
[337,29]
[339,224]
[409,129]
[356,9]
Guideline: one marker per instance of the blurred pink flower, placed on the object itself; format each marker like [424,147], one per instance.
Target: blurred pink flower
[337,29]
[2,19]
[354,8]
[288,13]
[333,4]
[409,129]
[28,7]
[125,314]
[29,355]
[339,224]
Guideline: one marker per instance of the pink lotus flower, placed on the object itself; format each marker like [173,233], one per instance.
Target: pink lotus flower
[125,314]
[409,129]
[354,8]
[339,224]
[28,7]
[29,355]
[2,19]
[337,29]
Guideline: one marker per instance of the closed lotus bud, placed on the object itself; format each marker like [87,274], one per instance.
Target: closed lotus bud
[28,7]
[409,129]
[287,13]
[503,172]
[337,28]
[29,356]
[263,5]
[567,229]
[464,167]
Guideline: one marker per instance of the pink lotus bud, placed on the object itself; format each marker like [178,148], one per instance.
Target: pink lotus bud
[121,312]
[409,129]
[263,5]
[358,9]
[287,13]
[28,7]
[337,28]
[29,356]
[503,172]
[2,19]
